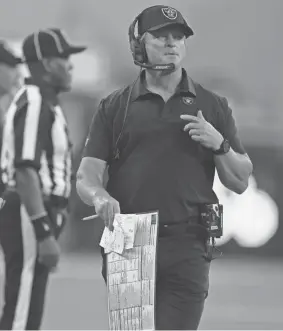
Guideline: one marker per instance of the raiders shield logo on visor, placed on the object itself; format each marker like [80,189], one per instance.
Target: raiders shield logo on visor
[170,13]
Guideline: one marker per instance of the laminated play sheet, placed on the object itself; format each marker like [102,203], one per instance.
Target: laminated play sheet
[131,271]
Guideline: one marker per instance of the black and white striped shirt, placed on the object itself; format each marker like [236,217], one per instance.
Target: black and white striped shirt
[36,135]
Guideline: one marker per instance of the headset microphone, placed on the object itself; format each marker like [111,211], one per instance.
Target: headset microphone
[169,66]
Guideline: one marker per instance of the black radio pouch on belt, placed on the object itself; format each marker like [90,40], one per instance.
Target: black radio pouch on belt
[211,218]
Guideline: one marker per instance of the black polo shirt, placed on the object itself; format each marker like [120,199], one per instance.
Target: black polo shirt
[160,166]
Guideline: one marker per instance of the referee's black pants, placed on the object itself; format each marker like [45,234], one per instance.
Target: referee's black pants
[25,278]
[182,278]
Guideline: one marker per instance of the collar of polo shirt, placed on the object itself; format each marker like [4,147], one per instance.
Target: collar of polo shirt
[186,86]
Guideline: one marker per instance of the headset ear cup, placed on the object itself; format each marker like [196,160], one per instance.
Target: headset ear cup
[143,52]
[136,51]
[136,45]
[139,54]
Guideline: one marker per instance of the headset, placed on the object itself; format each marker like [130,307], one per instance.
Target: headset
[140,59]
[138,50]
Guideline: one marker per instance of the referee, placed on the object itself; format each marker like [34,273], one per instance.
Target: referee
[36,171]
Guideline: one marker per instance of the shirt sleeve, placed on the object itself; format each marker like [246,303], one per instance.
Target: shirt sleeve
[229,129]
[99,140]
[30,132]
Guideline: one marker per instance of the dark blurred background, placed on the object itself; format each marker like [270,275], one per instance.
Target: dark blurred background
[237,52]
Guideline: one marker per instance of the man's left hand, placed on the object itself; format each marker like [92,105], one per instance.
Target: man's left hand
[202,131]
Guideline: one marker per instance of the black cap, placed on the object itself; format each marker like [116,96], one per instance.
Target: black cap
[7,56]
[48,43]
[156,17]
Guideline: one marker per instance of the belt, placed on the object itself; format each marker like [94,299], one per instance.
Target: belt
[190,225]
[193,214]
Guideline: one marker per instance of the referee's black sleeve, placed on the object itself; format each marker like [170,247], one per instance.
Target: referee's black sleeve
[30,129]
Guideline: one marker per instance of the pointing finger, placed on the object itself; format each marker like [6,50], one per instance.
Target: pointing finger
[200,115]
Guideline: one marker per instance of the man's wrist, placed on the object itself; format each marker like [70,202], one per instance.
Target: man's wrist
[218,144]
[97,193]
[223,149]
[42,227]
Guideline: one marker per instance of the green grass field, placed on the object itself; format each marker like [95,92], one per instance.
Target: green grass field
[245,294]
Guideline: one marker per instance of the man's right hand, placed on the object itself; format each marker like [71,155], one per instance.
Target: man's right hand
[106,207]
[48,252]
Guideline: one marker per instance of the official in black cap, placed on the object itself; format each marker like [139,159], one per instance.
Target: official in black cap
[162,138]
[36,166]
[47,54]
